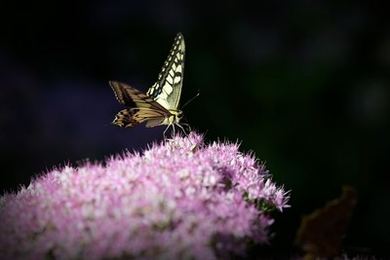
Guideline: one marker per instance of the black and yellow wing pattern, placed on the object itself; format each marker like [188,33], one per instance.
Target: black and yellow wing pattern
[167,89]
[159,106]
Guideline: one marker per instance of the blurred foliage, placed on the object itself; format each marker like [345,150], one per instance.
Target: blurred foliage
[303,84]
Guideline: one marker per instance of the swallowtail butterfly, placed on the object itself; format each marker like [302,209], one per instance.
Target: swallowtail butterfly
[159,106]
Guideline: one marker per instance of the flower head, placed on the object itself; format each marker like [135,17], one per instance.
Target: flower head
[178,199]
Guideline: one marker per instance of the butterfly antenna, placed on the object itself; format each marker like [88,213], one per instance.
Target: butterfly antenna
[191,99]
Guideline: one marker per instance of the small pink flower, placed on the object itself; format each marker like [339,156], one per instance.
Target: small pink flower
[179,199]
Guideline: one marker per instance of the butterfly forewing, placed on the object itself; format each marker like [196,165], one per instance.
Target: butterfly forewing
[167,90]
[130,96]
[121,92]
[144,108]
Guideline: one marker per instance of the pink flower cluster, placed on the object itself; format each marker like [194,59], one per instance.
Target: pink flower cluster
[180,199]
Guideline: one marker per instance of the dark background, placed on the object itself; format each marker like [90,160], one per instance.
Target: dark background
[303,84]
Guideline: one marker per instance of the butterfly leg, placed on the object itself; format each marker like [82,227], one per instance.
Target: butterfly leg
[165,131]
[187,125]
[173,130]
[182,128]
[172,133]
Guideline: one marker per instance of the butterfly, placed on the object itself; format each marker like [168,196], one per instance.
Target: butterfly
[159,105]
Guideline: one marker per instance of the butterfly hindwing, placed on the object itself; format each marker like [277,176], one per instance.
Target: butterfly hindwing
[130,117]
[167,90]
[124,118]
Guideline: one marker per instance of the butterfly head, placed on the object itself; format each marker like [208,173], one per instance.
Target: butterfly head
[179,115]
